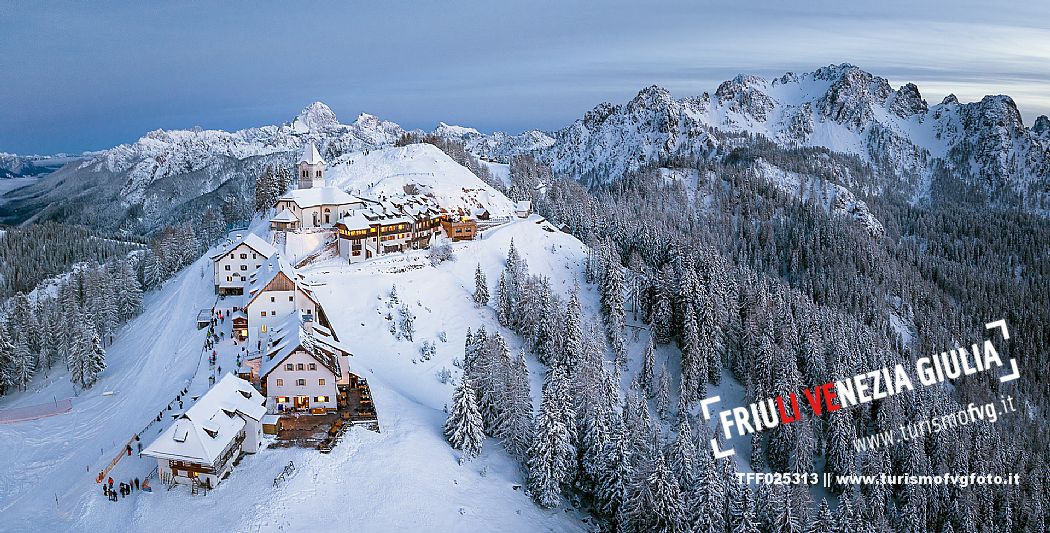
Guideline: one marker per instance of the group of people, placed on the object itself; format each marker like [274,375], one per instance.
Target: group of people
[123,489]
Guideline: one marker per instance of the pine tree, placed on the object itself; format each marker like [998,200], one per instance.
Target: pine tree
[481,288]
[151,270]
[612,486]
[694,372]
[24,364]
[742,513]
[129,303]
[7,360]
[463,428]
[517,423]
[572,346]
[95,360]
[663,393]
[662,312]
[681,456]
[824,522]
[654,501]
[504,302]
[553,449]
[612,306]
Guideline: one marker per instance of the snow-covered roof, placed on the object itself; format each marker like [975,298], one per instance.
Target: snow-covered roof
[310,155]
[208,427]
[356,220]
[316,196]
[311,337]
[264,275]
[524,205]
[252,241]
[285,216]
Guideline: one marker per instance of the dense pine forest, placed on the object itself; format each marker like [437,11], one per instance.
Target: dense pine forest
[741,277]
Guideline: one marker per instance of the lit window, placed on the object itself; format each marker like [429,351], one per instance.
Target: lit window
[282,399]
[280,382]
[320,399]
[321,382]
[262,313]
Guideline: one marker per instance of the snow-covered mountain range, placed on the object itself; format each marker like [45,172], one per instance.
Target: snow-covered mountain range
[839,107]
[904,143]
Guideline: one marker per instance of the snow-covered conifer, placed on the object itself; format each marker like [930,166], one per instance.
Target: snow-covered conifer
[481,288]
[463,428]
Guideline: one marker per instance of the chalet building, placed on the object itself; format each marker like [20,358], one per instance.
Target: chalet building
[204,442]
[274,293]
[459,226]
[304,368]
[314,204]
[523,209]
[237,261]
[395,225]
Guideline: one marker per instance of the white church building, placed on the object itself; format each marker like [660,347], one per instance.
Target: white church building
[315,204]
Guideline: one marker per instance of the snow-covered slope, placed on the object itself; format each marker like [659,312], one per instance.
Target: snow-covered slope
[402,478]
[416,169]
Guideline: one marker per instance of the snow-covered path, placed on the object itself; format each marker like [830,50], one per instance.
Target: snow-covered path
[48,482]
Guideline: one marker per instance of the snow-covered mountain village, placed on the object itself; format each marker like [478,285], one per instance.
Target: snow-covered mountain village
[786,302]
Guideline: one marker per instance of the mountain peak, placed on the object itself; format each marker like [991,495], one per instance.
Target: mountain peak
[315,117]
[1042,126]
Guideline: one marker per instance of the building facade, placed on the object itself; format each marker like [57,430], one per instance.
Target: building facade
[273,294]
[237,261]
[204,442]
[304,368]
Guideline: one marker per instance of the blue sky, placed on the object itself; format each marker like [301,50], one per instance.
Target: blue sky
[90,75]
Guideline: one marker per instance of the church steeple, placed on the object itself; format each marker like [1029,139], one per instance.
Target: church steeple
[311,168]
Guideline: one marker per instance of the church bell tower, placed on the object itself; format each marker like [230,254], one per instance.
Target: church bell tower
[311,168]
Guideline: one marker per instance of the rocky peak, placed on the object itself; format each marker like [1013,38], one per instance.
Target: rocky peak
[744,94]
[950,99]
[316,117]
[595,117]
[651,97]
[1042,127]
[907,102]
[852,94]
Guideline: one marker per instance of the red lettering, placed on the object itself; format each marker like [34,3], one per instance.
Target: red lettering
[829,397]
[813,397]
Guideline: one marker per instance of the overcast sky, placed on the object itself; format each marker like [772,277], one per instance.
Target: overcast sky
[80,75]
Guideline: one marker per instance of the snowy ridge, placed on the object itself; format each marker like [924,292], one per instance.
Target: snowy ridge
[839,107]
[417,169]
[162,154]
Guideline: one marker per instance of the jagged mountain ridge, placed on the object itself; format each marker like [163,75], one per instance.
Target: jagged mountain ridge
[140,185]
[839,107]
